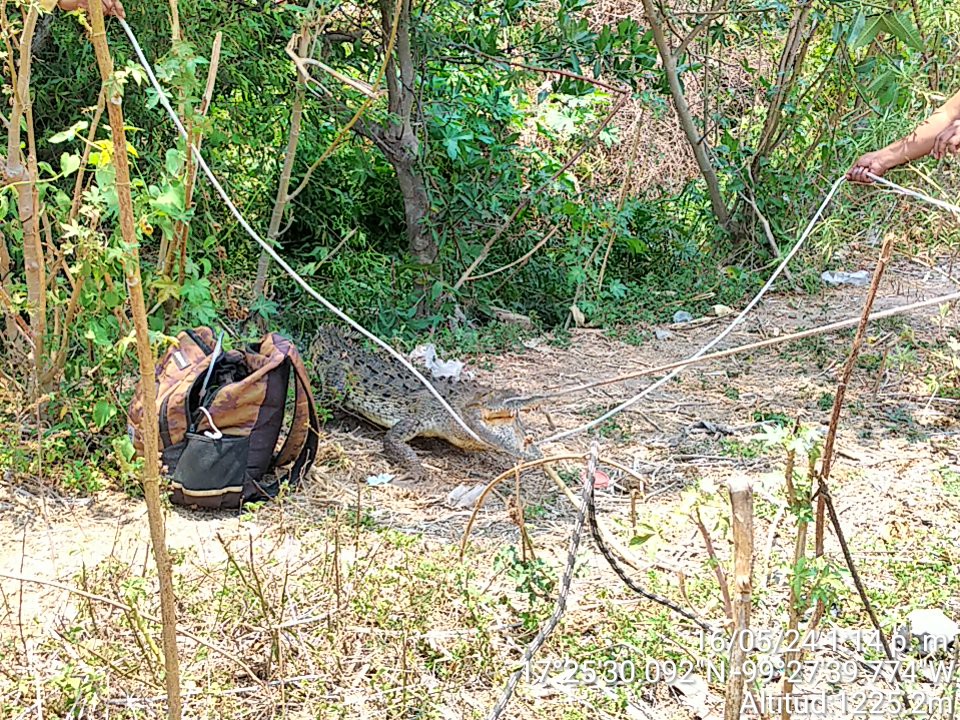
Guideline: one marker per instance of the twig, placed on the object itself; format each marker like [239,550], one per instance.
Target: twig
[500,478]
[357,85]
[621,199]
[823,491]
[336,248]
[741,502]
[610,540]
[519,260]
[307,33]
[717,567]
[821,330]
[125,608]
[546,71]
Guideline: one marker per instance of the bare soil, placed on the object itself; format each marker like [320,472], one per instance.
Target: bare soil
[895,482]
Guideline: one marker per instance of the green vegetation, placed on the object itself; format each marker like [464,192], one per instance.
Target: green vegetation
[500,174]
[474,173]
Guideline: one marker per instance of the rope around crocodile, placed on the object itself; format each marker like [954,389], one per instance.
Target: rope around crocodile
[587,504]
[266,246]
[743,313]
[406,363]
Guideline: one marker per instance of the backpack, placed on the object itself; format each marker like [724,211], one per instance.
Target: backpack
[220,416]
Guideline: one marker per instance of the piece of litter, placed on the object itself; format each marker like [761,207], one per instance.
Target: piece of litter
[463,496]
[932,629]
[857,279]
[695,693]
[381,479]
[426,355]
[682,316]
[600,479]
[662,334]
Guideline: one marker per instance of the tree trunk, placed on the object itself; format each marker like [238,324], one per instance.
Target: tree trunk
[149,426]
[697,143]
[400,140]
[791,61]
[24,174]
[416,207]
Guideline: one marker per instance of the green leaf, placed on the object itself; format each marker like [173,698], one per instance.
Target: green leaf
[70,133]
[174,161]
[640,539]
[69,164]
[124,449]
[103,412]
[868,32]
[901,26]
[171,201]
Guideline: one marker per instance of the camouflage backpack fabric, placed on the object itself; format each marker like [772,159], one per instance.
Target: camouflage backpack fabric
[221,414]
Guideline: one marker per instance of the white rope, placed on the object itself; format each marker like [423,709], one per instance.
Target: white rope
[726,331]
[899,189]
[269,250]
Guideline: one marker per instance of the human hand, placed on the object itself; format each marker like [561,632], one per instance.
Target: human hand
[110,7]
[948,141]
[875,162]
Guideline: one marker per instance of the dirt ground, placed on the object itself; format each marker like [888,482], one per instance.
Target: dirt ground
[894,482]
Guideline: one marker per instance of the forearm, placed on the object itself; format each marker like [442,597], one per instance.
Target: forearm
[920,141]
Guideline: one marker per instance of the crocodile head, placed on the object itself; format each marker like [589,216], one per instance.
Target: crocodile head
[495,417]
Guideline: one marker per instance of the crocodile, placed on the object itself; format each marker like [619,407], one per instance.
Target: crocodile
[378,388]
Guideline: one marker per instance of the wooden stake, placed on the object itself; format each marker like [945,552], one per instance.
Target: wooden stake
[741,502]
[149,426]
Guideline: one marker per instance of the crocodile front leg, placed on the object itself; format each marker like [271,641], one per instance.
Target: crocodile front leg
[395,445]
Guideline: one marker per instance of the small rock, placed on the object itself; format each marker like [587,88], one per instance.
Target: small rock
[721,310]
[505,316]
[857,279]
[682,316]
[662,334]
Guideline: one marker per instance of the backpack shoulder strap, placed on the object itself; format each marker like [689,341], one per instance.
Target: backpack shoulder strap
[300,446]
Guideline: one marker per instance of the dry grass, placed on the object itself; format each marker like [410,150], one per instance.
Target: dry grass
[350,601]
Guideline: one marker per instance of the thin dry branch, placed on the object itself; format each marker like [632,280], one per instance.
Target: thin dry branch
[178,249]
[523,204]
[522,259]
[149,425]
[823,493]
[821,330]
[545,71]
[307,33]
[146,616]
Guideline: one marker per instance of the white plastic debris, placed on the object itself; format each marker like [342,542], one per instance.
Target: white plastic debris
[381,479]
[932,629]
[857,279]
[463,496]
[426,355]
